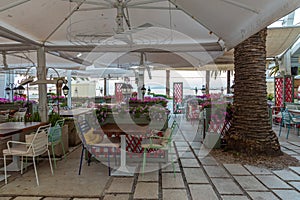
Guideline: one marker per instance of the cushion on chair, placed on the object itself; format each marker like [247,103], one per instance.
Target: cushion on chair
[91,137]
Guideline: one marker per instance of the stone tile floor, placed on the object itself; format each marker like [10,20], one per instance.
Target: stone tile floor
[198,176]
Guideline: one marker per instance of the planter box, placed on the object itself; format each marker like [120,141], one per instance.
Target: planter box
[212,140]
[73,138]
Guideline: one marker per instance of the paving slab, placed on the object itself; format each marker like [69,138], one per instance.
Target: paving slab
[86,199]
[145,190]
[195,175]
[54,198]
[236,169]
[208,160]
[121,185]
[27,198]
[249,183]
[296,156]
[287,175]
[262,196]
[187,154]
[174,194]
[149,177]
[183,149]
[295,185]
[169,181]
[203,192]
[189,163]
[290,152]
[216,171]
[116,197]
[288,194]
[258,170]
[203,152]
[296,151]
[181,144]
[273,182]
[295,169]
[5,198]
[233,197]
[226,186]
[169,168]
[195,144]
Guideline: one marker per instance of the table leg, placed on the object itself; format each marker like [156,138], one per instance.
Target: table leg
[123,170]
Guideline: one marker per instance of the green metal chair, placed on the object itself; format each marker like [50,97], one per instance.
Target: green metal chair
[55,137]
[159,143]
[288,120]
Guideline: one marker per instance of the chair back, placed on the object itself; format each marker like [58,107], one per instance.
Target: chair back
[60,122]
[4,118]
[55,132]
[19,116]
[286,117]
[39,141]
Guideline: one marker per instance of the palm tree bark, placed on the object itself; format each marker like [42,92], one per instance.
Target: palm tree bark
[251,131]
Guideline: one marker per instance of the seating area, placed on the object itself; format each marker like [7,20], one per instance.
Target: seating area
[149,100]
[191,158]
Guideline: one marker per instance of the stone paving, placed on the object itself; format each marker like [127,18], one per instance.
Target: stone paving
[199,176]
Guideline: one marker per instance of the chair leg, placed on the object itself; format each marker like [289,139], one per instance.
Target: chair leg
[144,161]
[5,172]
[53,154]
[108,160]
[21,164]
[81,157]
[173,166]
[50,162]
[36,175]
[115,155]
[280,130]
[89,158]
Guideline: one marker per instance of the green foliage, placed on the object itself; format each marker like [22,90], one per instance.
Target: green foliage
[53,117]
[270,96]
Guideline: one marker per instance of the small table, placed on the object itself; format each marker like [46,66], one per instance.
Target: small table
[124,130]
[76,111]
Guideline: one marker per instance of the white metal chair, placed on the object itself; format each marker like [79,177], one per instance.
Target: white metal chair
[19,116]
[35,145]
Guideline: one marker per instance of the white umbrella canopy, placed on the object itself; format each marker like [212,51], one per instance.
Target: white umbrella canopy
[66,28]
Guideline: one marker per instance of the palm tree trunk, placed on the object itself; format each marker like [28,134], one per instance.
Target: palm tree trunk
[251,131]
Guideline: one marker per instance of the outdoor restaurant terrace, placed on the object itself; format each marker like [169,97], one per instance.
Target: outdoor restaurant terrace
[149,99]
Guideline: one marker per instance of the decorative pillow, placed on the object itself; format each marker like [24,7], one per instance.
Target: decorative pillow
[92,137]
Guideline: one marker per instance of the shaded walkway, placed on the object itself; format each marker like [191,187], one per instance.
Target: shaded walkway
[198,176]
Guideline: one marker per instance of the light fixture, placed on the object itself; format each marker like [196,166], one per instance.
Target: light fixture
[143,89]
[203,89]
[101,90]
[20,89]
[126,88]
[65,90]
[196,90]
[149,90]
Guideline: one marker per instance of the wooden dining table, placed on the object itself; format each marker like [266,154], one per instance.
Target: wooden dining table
[14,129]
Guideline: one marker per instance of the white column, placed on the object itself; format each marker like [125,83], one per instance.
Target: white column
[140,82]
[41,75]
